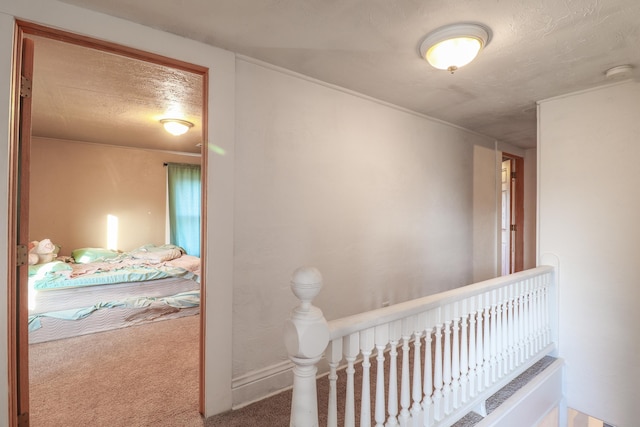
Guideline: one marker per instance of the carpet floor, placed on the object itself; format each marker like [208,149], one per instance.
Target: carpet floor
[137,376]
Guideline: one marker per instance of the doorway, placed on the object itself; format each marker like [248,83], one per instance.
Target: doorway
[512,214]
[176,68]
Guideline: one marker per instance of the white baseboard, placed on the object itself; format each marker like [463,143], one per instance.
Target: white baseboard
[262,383]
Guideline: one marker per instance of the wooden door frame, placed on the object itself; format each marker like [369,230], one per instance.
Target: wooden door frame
[517,189]
[15,355]
[18,232]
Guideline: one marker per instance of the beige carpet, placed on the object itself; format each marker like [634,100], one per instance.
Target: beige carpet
[138,376]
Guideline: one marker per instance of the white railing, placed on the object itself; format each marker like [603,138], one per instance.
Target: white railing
[480,337]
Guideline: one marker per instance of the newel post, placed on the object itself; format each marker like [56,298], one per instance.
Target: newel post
[306,335]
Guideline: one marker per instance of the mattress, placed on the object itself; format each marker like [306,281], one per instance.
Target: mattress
[63,313]
[104,320]
[42,301]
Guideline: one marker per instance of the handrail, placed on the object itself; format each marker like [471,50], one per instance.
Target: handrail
[361,321]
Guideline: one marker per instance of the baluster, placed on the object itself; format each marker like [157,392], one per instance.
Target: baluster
[546,303]
[532,319]
[543,319]
[486,360]
[535,330]
[480,345]
[394,338]
[405,387]
[446,372]
[498,331]
[473,374]
[527,322]
[510,328]
[427,403]
[437,376]
[531,311]
[334,356]
[547,319]
[540,315]
[504,342]
[529,308]
[464,358]
[521,326]
[381,340]
[455,364]
[417,380]
[525,318]
[516,326]
[494,336]
[351,350]
[366,348]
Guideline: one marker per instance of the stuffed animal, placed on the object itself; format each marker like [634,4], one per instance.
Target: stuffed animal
[42,252]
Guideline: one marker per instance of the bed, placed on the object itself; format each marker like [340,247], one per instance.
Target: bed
[97,290]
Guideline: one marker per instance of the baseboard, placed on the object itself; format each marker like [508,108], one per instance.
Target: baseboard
[262,383]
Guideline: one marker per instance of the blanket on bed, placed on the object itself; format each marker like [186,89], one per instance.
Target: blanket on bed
[92,266]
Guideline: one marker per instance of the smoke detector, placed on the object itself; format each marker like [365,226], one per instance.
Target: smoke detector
[619,72]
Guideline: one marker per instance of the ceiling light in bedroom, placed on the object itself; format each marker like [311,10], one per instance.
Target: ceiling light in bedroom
[176,126]
[454,46]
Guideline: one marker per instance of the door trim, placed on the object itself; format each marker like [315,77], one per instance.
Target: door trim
[18,366]
[22,28]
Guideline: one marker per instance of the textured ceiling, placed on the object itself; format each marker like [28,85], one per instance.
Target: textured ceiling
[89,95]
[539,49]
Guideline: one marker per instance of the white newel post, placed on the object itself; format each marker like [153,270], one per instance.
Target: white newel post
[306,335]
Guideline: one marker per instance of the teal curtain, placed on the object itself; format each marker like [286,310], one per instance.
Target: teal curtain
[184,206]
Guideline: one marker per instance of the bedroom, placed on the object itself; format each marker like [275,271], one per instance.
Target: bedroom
[101,191]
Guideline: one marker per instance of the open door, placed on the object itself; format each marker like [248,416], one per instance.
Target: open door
[19,236]
[512,243]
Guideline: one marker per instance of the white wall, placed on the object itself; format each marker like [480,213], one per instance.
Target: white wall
[381,200]
[588,151]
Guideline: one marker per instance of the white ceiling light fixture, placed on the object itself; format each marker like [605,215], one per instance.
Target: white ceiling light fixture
[176,126]
[454,46]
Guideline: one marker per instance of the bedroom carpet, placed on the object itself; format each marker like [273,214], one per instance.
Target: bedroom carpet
[138,376]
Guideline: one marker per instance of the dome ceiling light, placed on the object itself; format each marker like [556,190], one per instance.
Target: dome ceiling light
[454,46]
[176,126]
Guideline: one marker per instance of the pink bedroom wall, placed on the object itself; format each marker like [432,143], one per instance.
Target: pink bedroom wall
[75,185]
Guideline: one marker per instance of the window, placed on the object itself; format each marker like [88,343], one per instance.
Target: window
[183,181]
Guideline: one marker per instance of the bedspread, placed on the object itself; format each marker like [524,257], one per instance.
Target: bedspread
[145,263]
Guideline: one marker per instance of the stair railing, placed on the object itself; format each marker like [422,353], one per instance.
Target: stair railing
[436,358]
